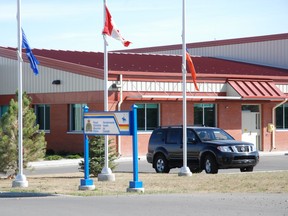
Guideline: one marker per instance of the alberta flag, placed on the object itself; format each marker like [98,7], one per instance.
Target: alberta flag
[33,61]
[111,30]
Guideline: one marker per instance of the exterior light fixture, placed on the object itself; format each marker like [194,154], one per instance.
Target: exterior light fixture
[56,82]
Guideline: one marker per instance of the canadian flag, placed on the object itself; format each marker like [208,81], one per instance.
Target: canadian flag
[111,30]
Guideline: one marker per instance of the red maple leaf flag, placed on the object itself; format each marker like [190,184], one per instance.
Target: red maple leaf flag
[191,69]
[111,30]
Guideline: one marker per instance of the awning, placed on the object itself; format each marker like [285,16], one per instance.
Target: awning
[254,89]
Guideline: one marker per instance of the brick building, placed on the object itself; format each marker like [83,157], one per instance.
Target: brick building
[243,89]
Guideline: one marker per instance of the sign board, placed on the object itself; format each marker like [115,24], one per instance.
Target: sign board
[110,123]
[107,123]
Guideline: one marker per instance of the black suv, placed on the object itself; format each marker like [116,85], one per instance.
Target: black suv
[208,148]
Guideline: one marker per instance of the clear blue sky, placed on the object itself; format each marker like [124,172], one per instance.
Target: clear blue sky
[78,24]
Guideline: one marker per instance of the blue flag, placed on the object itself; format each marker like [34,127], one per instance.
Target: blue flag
[33,61]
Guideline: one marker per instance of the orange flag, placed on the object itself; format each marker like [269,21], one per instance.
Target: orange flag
[191,69]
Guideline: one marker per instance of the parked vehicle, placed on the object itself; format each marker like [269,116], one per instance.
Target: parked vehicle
[208,148]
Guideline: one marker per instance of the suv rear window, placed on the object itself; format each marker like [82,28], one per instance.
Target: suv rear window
[157,136]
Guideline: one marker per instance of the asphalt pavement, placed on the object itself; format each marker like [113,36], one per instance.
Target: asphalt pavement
[146,204]
[224,204]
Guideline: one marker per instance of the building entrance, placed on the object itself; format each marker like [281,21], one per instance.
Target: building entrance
[251,125]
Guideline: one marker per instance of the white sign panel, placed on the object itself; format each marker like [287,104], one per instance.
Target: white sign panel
[107,123]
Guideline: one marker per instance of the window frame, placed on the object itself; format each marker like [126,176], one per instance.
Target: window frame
[72,126]
[284,117]
[146,116]
[46,125]
[203,113]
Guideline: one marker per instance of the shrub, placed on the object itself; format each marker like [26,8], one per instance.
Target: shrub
[73,156]
[53,157]
[97,154]
[34,143]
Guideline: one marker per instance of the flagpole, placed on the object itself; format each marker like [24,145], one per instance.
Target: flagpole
[106,173]
[184,171]
[20,180]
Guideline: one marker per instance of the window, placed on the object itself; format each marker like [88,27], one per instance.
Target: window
[250,108]
[205,114]
[42,112]
[147,116]
[3,110]
[76,117]
[158,137]
[173,136]
[282,117]
[190,135]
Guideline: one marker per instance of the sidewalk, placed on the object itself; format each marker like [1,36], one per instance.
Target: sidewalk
[274,153]
[67,162]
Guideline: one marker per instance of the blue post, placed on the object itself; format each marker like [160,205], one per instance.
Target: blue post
[86,183]
[86,157]
[135,185]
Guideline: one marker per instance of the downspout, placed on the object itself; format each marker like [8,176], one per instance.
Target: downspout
[119,109]
[273,122]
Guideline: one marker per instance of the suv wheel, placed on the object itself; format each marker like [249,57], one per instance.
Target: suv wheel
[210,165]
[161,164]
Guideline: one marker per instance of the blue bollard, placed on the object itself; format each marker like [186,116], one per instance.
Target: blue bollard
[86,183]
[135,185]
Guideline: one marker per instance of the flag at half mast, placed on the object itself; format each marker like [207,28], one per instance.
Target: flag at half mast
[33,60]
[111,30]
[192,70]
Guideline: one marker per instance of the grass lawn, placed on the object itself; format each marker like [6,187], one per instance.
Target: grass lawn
[153,183]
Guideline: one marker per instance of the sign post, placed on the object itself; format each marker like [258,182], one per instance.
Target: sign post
[86,183]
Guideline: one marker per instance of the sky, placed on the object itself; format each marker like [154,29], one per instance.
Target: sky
[78,24]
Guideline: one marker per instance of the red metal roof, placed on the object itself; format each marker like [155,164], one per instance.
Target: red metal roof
[117,61]
[150,63]
[256,89]
[144,66]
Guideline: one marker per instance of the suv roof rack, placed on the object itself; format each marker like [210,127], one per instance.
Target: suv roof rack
[171,126]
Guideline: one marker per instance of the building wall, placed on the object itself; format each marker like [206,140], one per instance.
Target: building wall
[268,50]
[59,139]
[228,117]
[42,83]
[265,120]
[281,143]
[269,53]
[126,144]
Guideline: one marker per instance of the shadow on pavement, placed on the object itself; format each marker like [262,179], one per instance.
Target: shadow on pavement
[23,194]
